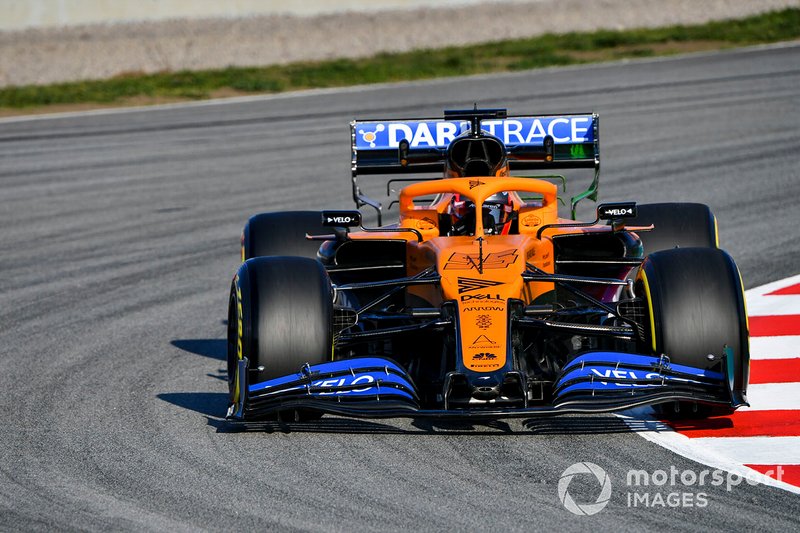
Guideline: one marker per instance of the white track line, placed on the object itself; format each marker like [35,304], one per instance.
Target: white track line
[774,397]
[787,347]
[754,450]
[772,287]
[773,305]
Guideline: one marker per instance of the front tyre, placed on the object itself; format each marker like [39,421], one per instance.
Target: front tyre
[280,317]
[696,307]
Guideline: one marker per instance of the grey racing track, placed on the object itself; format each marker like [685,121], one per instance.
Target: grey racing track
[120,234]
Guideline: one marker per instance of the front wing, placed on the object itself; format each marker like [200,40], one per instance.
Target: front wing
[594,382]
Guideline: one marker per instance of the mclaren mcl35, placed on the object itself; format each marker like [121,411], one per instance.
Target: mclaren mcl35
[480,300]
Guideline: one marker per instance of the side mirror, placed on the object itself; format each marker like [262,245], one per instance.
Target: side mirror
[341,219]
[616,211]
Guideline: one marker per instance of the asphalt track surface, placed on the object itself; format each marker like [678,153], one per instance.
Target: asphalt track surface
[119,238]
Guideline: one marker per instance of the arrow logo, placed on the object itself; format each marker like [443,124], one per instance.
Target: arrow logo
[470,284]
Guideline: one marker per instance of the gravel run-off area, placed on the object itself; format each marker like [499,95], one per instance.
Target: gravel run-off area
[49,55]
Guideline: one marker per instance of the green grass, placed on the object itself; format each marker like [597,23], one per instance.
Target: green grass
[501,56]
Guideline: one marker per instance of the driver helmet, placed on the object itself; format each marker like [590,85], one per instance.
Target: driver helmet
[499,207]
[496,214]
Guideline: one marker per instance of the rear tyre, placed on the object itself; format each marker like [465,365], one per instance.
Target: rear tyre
[677,225]
[696,307]
[280,317]
[282,233]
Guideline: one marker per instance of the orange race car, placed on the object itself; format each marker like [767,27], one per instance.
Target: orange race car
[480,301]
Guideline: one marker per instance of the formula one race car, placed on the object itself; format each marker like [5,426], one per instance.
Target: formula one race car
[481,301]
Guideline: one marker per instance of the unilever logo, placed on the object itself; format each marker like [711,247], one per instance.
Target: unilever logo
[584,509]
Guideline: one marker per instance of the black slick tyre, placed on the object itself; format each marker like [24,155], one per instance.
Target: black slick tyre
[282,233]
[280,318]
[696,308]
[677,225]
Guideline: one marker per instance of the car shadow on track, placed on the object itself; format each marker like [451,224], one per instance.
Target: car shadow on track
[211,404]
[567,425]
[214,404]
[591,425]
[212,348]
[326,424]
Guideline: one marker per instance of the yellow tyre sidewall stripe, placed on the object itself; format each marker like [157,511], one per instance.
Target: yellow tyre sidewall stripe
[643,277]
[239,335]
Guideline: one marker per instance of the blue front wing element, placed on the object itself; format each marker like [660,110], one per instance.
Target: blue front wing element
[350,378]
[599,381]
[617,371]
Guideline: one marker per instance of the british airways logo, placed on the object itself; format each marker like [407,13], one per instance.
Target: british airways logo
[521,131]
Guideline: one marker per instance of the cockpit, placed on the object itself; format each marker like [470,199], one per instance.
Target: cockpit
[497,214]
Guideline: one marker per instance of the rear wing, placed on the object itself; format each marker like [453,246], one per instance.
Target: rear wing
[536,142]
[376,143]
